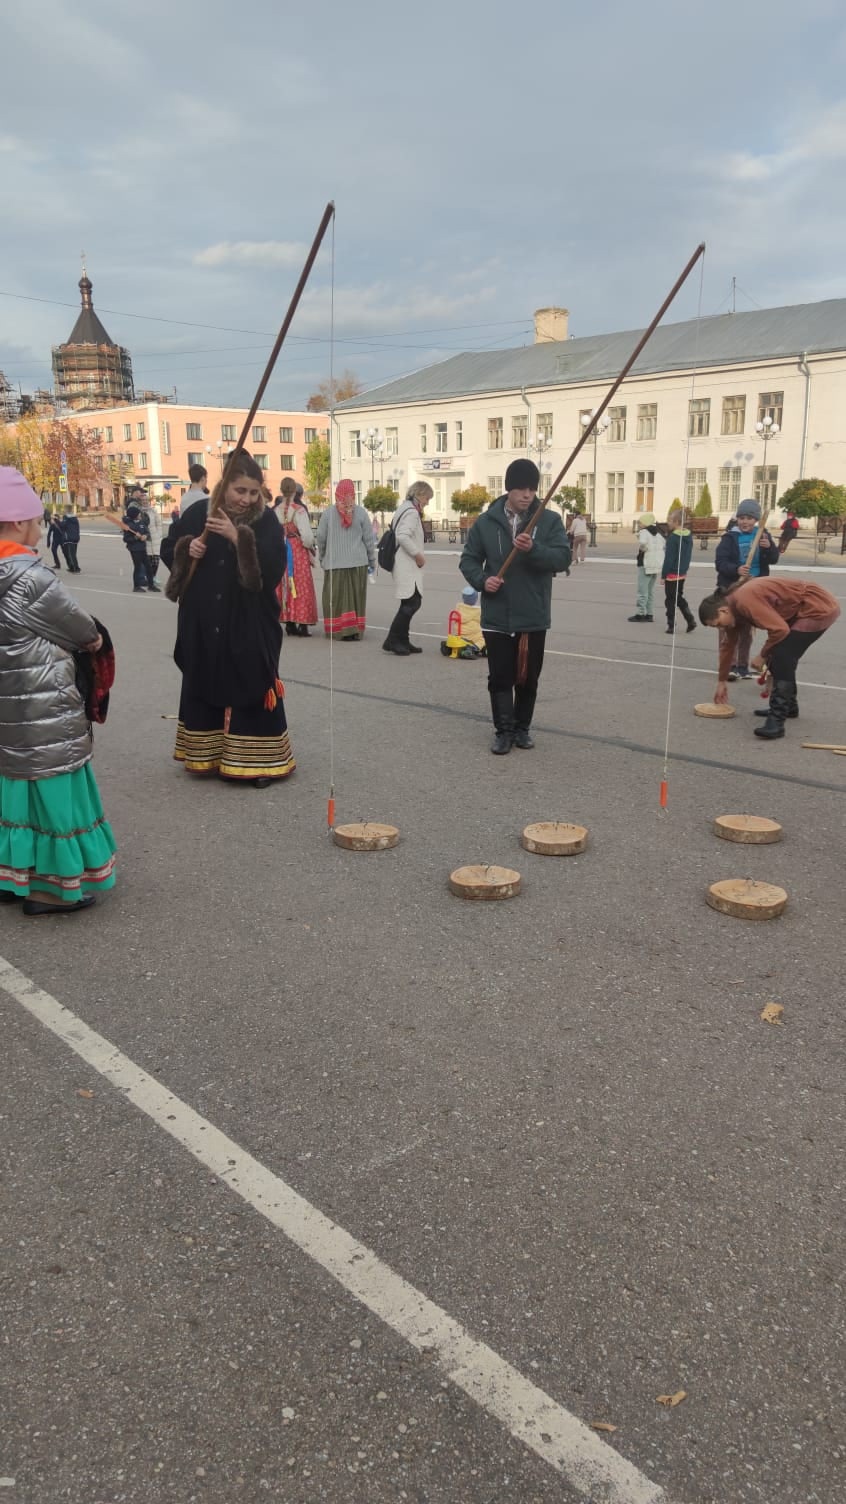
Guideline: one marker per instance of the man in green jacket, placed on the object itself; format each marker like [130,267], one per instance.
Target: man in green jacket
[516,608]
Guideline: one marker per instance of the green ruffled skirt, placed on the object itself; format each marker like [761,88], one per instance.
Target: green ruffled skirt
[54,837]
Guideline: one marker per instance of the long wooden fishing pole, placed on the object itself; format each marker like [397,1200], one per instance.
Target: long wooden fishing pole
[597,414]
[220,489]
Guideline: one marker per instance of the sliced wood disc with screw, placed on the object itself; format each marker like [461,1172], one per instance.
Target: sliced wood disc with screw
[365,835]
[484,882]
[555,838]
[745,899]
[713,712]
[749,830]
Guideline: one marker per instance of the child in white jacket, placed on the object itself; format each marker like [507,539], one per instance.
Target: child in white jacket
[650,557]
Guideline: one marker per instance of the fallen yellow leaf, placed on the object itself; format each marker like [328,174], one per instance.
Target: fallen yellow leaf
[84,1092]
[671,1400]
[771,1014]
[602,1425]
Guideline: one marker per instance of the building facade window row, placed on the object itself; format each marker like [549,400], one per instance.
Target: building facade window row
[728,497]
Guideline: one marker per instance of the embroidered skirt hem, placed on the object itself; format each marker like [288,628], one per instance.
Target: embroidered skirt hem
[54,837]
[235,742]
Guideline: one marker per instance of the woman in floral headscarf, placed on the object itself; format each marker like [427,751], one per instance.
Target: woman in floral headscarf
[347,549]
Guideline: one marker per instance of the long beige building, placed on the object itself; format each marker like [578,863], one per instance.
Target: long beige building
[747,402]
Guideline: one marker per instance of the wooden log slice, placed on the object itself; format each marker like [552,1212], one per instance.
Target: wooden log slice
[749,830]
[714,712]
[554,838]
[745,899]
[484,882]
[365,835]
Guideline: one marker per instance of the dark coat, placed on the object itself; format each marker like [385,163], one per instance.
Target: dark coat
[138,533]
[55,533]
[678,553]
[524,602]
[727,558]
[71,529]
[228,635]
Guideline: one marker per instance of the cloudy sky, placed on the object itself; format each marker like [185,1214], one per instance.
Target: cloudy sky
[485,160]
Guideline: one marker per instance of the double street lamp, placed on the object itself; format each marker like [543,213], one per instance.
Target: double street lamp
[373,442]
[601,426]
[766,429]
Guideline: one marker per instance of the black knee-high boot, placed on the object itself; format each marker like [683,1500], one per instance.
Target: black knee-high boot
[780,703]
[502,710]
[524,706]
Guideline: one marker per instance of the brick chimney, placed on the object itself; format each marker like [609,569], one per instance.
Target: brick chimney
[550,325]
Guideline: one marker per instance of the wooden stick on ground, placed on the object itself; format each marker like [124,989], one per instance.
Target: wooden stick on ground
[825,746]
[589,427]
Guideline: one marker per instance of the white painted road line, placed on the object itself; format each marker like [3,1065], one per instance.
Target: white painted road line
[589,1464]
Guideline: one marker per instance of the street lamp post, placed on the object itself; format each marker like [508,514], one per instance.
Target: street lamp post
[766,429]
[373,444]
[600,428]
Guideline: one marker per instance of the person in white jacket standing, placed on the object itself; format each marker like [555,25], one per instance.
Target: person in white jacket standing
[408,568]
[650,557]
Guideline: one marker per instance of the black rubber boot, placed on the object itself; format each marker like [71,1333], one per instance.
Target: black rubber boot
[792,714]
[780,701]
[688,615]
[502,709]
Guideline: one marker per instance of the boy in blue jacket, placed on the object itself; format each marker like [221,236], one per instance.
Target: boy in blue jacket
[677,557]
[730,559]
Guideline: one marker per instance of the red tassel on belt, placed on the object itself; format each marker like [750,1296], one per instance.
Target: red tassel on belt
[523,658]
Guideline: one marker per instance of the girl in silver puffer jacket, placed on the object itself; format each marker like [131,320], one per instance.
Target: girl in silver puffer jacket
[56,847]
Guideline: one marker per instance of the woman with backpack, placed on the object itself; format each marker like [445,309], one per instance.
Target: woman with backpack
[407,572]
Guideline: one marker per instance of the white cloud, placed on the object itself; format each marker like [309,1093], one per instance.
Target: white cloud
[252,253]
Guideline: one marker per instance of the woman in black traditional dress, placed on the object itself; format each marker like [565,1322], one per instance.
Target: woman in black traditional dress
[231,711]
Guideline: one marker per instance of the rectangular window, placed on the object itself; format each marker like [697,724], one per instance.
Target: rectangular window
[355,443]
[694,480]
[229,433]
[197,458]
[585,414]
[494,433]
[616,429]
[765,484]
[142,461]
[770,405]
[309,435]
[423,438]
[261,461]
[734,415]
[545,427]
[699,418]
[729,487]
[440,438]
[193,431]
[109,436]
[358,491]
[495,486]
[615,490]
[286,435]
[585,483]
[286,462]
[130,461]
[127,431]
[140,431]
[459,437]
[391,442]
[647,420]
[165,437]
[519,432]
[645,490]
[259,433]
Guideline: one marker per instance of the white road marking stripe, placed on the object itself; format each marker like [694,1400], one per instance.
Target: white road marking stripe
[681,668]
[589,1464]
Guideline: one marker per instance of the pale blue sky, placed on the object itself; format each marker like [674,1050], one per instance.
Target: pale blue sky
[484,160]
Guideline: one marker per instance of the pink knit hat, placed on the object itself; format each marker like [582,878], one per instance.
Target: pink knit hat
[18,501]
